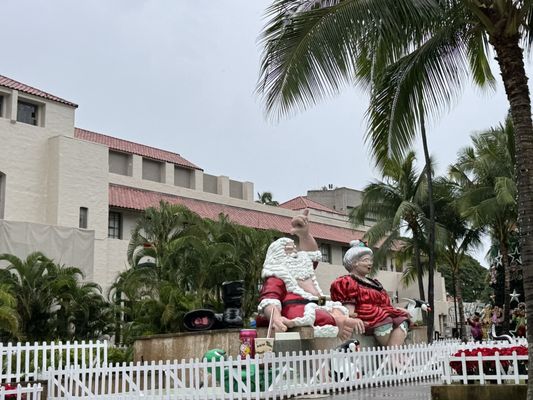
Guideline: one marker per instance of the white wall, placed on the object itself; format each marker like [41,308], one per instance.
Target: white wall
[25,161]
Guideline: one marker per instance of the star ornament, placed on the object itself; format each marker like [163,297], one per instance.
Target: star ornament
[498,260]
[515,255]
[514,296]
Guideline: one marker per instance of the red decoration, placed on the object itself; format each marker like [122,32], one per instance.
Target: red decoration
[489,367]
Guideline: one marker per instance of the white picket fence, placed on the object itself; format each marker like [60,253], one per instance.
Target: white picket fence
[277,376]
[80,370]
[483,369]
[23,362]
[28,392]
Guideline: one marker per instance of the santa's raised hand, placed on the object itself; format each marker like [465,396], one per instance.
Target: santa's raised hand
[300,224]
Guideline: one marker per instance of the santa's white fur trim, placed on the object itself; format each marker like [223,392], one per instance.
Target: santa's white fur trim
[308,319]
[337,305]
[266,302]
[326,331]
[315,255]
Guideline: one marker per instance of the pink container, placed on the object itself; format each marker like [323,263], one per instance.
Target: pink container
[247,338]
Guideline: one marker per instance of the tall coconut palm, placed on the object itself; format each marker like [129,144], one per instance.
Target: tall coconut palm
[460,237]
[485,173]
[395,203]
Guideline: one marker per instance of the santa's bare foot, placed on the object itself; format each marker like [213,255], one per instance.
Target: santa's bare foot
[287,322]
[346,327]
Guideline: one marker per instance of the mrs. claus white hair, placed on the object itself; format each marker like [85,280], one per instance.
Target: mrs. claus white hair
[355,252]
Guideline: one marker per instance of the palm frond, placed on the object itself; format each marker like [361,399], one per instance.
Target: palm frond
[432,75]
[311,54]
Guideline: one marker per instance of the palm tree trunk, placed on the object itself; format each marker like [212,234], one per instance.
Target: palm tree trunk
[418,267]
[431,261]
[511,62]
[504,251]
[460,305]
[454,283]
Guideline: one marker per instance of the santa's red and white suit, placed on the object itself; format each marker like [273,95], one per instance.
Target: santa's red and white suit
[281,273]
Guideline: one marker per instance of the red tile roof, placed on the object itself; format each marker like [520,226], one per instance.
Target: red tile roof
[133,148]
[302,202]
[137,199]
[21,87]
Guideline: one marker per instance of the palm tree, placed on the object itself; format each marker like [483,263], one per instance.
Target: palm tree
[156,228]
[31,282]
[250,249]
[266,198]
[396,204]
[81,312]
[51,302]
[459,238]
[485,172]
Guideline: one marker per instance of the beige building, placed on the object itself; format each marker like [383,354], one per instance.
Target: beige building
[75,195]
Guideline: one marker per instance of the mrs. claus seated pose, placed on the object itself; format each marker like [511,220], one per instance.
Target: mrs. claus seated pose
[367,299]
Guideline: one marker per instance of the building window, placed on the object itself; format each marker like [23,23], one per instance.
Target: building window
[2,194]
[84,217]
[114,226]
[2,106]
[183,177]
[210,184]
[325,249]
[344,251]
[120,163]
[152,170]
[235,189]
[27,113]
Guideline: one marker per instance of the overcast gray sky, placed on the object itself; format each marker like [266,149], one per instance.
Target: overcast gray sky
[180,75]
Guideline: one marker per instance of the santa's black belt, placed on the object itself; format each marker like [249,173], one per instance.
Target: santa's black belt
[320,301]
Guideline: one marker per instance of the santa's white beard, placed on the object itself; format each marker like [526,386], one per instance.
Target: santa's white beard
[300,267]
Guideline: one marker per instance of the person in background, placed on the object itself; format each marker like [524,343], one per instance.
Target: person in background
[475,327]
[497,319]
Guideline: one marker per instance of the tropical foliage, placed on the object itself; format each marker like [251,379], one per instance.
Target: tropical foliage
[266,198]
[178,263]
[472,278]
[48,301]
[396,205]
[9,320]
[458,237]
[485,173]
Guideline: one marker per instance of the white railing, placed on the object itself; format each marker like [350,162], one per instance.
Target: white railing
[274,376]
[22,362]
[29,392]
[496,368]
[494,343]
